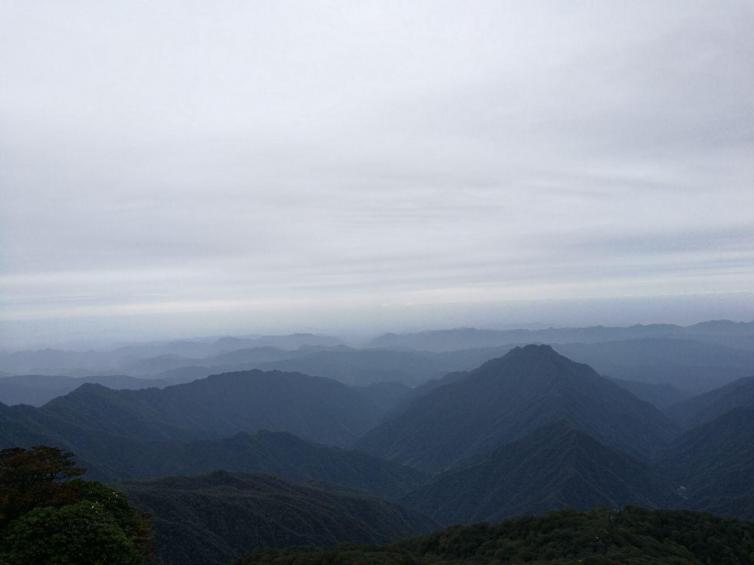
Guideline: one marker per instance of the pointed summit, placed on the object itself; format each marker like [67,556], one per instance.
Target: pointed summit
[509,397]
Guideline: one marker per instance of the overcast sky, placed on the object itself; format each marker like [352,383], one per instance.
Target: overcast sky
[191,167]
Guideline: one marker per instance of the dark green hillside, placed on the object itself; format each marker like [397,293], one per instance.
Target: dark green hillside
[214,518]
[49,516]
[715,465]
[553,468]
[276,453]
[634,536]
[509,397]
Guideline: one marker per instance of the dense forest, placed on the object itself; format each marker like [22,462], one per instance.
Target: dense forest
[632,536]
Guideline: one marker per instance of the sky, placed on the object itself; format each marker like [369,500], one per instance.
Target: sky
[199,168]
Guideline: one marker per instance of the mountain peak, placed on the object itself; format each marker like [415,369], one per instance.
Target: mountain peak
[534,351]
[509,397]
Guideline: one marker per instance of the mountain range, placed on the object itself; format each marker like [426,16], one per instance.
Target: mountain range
[524,433]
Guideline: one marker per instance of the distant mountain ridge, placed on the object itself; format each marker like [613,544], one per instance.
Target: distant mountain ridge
[716,331]
[95,422]
[509,397]
[706,407]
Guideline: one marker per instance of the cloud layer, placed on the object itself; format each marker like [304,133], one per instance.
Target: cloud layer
[270,165]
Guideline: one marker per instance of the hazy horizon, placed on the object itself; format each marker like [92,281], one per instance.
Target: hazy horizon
[353,168]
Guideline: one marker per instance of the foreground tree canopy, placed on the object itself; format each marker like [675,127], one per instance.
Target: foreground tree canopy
[48,515]
[633,536]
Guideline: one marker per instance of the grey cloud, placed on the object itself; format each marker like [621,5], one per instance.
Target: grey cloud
[328,158]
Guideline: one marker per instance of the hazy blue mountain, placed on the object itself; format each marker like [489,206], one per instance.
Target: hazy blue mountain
[164,355]
[661,395]
[216,518]
[367,366]
[713,404]
[509,397]
[314,408]
[386,396]
[714,463]
[686,364]
[553,468]
[37,390]
[733,334]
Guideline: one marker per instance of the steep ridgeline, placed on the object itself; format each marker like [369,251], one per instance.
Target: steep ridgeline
[275,453]
[713,404]
[714,464]
[634,536]
[314,408]
[509,397]
[216,518]
[555,467]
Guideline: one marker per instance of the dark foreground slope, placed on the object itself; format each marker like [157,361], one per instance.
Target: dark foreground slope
[554,468]
[215,518]
[633,536]
[714,464]
[509,397]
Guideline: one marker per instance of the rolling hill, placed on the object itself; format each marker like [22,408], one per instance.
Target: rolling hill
[314,408]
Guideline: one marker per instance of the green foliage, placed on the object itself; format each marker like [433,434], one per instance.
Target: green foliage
[51,517]
[35,477]
[83,533]
[634,536]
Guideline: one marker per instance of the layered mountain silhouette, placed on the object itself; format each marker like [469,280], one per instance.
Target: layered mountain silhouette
[735,334]
[314,408]
[507,398]
[706,407]
[553,468]
[216,518]
[687,364]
